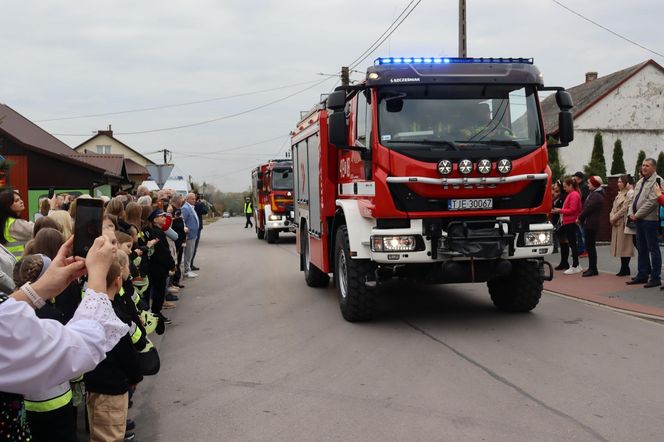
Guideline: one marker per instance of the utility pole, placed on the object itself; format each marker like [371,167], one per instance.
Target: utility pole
[345,76]
[166,155]
[463,50]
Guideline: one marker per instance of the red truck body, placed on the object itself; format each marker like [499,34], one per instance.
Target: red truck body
[272,192]
[434,170]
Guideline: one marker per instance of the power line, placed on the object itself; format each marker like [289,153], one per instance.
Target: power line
[606,29]
[234,148]
[212,120]
[400,19]
[168,106]
[352,64]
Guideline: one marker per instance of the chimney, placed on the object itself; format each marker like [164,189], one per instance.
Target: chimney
[108,132]
[590,76]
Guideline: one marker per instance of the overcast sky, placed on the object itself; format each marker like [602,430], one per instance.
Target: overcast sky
[72,58]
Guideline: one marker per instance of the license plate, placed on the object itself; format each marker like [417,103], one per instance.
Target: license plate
[470,204]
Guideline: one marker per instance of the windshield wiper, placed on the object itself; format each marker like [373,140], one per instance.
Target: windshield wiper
[494,142]
[449,144]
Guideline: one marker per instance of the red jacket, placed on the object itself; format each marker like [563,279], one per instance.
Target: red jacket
[571,207]
[660,199]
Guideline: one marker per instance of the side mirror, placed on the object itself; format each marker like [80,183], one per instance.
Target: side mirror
[336,101]
[259,184]
[565,127]
[336,129]
[564,100]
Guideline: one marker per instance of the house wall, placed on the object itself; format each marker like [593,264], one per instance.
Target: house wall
[116,148]
[633,113]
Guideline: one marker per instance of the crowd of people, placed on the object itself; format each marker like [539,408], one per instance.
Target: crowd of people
[95,314]
[634,219]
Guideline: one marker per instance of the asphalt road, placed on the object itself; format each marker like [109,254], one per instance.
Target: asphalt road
[255,355]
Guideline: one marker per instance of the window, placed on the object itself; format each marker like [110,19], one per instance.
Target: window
[463,117]
[363,121]
[103,148]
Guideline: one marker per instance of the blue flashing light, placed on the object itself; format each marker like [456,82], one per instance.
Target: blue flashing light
[450,60]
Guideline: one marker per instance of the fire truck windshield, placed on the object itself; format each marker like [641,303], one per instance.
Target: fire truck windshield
[459,116]
[282,179]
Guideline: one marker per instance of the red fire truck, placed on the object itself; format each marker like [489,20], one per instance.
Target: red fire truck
[434,170]
[272,190]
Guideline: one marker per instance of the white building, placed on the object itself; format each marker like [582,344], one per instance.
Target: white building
[626,105]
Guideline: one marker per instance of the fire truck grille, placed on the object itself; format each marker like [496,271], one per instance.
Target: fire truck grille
[408,201]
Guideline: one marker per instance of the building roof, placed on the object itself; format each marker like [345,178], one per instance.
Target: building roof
[133,168]
[34,138]
[586,95]
[109,133]
[113,164]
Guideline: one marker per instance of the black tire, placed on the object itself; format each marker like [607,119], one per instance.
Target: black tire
[260,233]
[356,301]
[272,236]
[521,291]
[313,276]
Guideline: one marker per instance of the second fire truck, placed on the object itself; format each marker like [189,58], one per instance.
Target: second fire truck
[272,192]
[434,170]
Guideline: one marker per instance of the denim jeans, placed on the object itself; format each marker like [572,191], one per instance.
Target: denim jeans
[647,245]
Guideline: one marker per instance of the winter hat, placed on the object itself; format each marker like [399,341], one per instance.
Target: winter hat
[595,181]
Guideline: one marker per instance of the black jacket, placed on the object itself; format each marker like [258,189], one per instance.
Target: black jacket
[591,213]
[121,368]
[201,209]
[161,261]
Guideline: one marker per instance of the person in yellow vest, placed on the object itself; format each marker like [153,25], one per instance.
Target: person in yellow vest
[248,210]
[51,414]
[15,231]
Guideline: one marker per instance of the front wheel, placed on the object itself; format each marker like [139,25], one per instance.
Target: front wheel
[272,235]
[521,291]
[356,301]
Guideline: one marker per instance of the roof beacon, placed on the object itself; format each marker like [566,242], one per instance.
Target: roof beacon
[447,60]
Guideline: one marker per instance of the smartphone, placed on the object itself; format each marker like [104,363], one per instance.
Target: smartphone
[658,181]
[87,224]
[51,192]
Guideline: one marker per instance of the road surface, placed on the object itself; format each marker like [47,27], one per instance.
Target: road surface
[253,354]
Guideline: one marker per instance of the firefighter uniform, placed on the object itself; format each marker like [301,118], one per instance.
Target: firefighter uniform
[51,413]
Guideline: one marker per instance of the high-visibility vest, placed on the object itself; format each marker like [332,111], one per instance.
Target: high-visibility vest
[248,208]
[49,400]
[13,245]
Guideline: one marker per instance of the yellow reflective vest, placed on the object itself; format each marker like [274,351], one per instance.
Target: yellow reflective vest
[15,246]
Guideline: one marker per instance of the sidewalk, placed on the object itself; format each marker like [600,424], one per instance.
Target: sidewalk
[608,289]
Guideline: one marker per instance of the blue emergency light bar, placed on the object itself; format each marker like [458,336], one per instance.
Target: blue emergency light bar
[448,60]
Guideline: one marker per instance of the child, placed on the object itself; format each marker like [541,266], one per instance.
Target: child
[161,262]
[109,383]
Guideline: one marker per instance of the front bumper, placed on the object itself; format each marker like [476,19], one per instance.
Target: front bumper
[463,241]
[283,223]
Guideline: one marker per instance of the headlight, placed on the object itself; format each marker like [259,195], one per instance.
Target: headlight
[393,243]
[445,167]
[274,218]
[504,166]
[465,167]
[484,166]
[541,238]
